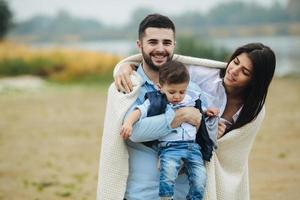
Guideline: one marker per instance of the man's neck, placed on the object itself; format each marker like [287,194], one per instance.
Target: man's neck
[151,74]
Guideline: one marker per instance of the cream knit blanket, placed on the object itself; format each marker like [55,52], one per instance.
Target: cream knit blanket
[227,171]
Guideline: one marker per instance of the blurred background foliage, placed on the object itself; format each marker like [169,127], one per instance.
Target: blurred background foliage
[218,21]
[193,46]
[194,31]
[5,18]
[55,64]
[67,65]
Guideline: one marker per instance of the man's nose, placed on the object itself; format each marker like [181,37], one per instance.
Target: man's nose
[160,47]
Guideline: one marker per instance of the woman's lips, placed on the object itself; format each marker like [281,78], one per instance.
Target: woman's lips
[230,77]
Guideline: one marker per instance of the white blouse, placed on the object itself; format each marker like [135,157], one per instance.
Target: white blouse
[208,79]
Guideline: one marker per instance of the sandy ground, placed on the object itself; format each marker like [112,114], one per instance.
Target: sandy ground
[50,140]
[275,158]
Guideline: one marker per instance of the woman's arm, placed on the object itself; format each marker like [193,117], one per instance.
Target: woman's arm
[188,60]
[123,69]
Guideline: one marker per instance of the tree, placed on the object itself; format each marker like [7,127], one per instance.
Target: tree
[5,18]
[137,16]
[194,46]
[294,10]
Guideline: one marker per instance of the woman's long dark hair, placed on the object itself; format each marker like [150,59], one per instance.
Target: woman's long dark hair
[263,61]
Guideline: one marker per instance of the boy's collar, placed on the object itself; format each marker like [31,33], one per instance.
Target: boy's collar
[145,78]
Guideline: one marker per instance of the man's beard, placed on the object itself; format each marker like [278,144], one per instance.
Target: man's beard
[148,61]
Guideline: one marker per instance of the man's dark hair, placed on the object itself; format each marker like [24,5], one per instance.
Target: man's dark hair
[173,72]
[155,21]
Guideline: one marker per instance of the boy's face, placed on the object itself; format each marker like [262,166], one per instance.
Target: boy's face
[175,92]
[157,47]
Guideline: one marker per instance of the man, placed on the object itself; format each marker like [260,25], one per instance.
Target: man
[156,43]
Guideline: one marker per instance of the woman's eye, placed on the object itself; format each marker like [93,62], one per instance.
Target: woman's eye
[245,72]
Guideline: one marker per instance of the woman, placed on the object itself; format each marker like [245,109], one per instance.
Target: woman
[241,90]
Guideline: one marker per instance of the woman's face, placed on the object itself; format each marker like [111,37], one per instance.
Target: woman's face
[239,72]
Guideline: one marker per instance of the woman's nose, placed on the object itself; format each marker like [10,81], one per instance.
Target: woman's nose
[235,70]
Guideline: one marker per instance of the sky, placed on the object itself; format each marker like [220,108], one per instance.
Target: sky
[113,12]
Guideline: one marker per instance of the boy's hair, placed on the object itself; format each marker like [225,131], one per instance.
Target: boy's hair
[173,72]
[155,21]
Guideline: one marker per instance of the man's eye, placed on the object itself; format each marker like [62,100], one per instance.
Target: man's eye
[152,42]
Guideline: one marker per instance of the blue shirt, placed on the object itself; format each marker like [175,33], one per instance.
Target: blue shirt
[143,179]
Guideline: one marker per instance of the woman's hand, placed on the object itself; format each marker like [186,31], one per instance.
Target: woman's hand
[221,130]
[189,115]
[122,78]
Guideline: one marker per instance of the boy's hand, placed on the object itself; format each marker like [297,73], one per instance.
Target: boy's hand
[126,131]
[212,112]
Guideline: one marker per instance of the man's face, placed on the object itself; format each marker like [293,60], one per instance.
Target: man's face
[157,46]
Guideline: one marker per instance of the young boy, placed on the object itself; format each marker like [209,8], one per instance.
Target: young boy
[179,145]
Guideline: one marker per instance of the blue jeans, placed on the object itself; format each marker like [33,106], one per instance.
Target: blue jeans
[171,154]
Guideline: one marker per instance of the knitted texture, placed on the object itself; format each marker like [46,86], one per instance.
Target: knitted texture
[113,167]
[227,171]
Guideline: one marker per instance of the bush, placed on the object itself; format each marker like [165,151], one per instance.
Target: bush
[58,65]
[192,46]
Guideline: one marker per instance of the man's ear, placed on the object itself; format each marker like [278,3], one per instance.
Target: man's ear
[139,45]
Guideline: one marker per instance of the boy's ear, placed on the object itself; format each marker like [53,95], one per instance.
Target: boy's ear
[158,85]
